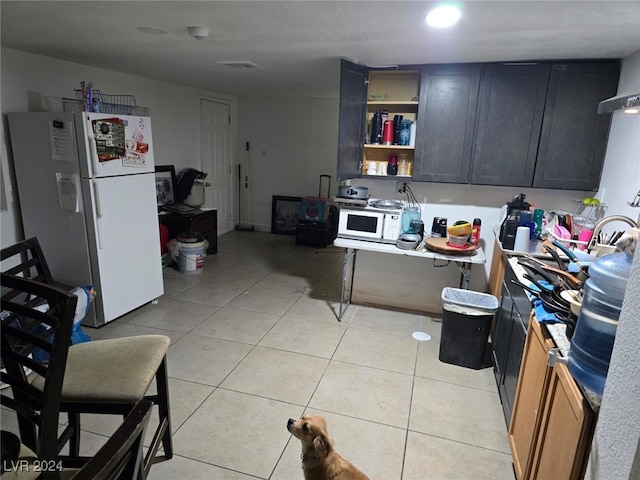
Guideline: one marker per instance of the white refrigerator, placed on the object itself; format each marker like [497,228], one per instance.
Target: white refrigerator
[86,188]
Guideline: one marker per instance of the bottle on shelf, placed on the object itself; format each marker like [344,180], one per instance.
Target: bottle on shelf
[376,128]
[404,166]
[396,128]
[387,133]
[392,165]
[405,132]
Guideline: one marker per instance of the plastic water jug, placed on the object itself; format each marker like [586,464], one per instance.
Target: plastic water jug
[595,332]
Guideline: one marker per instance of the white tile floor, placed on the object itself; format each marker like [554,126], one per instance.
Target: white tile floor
[255,341]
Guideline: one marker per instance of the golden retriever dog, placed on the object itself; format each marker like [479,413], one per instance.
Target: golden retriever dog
[319,459]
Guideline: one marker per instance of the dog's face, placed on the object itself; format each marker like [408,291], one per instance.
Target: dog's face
[311,430]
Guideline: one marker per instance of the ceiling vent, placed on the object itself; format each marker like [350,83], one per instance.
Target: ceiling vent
[239,64]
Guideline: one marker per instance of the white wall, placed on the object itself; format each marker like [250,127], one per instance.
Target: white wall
[617,435]
[292,142]
[616,440]
[621,174]
[175,113]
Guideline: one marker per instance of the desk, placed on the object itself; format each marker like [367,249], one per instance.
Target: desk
[201,221]
[351,247]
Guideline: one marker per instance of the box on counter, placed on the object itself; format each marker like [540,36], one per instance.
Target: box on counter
[314,209]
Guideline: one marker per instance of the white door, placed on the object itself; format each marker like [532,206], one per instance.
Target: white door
[215,145]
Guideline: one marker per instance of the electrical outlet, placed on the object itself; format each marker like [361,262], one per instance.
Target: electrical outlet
[401,187]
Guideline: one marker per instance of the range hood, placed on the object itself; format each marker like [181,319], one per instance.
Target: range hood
[628,103]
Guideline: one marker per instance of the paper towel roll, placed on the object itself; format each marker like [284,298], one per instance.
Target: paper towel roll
[522,240]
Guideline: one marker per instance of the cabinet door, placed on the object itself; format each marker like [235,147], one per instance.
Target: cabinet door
[351,127]
[514,359]
[565,432]
[574,137]
[496,274]
[502,334]
[510,113]
[530,394]
[446,116]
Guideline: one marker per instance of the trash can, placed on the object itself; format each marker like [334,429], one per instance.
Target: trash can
[466,323]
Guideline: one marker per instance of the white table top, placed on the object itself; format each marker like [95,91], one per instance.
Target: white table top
[478,258]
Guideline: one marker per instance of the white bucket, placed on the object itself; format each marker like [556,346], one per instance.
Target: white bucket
[191,257]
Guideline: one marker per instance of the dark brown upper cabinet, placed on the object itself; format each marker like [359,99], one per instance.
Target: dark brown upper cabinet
[511,107]
[446,118]
[573,139]
[352,128]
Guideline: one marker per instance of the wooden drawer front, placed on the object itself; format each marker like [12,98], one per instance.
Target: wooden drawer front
[204,224]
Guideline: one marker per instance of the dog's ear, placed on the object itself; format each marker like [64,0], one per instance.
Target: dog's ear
[322,444]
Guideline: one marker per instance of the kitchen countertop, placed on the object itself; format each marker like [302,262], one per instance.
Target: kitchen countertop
[558,332]
[478,257]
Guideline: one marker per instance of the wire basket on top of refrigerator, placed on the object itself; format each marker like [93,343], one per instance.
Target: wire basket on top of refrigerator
[110,103]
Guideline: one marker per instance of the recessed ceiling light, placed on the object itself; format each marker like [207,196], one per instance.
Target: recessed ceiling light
[443,16]
[152,30]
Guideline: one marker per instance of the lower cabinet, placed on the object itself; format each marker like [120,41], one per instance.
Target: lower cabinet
[552,423]
[508,340]
[200,221]
[496,273]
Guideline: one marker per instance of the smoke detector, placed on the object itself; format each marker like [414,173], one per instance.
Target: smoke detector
[198,32]
[239,64]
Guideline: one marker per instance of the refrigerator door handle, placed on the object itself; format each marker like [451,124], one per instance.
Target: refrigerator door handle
[98,213]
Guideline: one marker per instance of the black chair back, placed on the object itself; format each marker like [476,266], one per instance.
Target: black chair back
[31,262]
[121,457]
[36,323]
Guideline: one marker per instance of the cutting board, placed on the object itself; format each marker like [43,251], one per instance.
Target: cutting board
[439,245]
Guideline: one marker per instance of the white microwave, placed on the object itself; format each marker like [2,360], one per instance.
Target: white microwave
[373,224]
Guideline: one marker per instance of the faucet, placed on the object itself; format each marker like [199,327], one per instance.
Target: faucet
[596,230]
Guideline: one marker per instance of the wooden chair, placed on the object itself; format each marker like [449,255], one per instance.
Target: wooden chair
[36,318]
[121,457]
[32,263]
[106,376]
[118,459]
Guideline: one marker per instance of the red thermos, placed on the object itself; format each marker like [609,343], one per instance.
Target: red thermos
[387,133]
[475,231]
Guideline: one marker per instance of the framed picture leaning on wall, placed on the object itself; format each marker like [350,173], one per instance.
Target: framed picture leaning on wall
[285,212]
[165,185]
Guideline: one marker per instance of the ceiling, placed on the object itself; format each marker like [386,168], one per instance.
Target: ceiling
[297,44]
